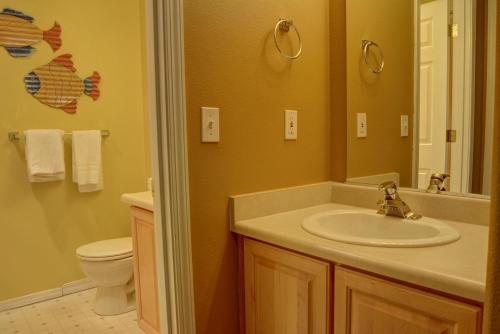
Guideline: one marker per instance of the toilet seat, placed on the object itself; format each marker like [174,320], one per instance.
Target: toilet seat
[106,250]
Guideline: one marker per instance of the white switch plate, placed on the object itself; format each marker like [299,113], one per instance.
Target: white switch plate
[291,125]
[404,125]
[362,131]
[210,125]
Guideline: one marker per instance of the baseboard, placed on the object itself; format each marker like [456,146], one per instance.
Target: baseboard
[30,299]
[66,289]
[77,286]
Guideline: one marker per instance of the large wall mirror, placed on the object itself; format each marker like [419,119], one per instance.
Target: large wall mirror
[420,85]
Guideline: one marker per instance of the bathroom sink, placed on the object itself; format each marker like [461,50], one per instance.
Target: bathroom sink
[371,229]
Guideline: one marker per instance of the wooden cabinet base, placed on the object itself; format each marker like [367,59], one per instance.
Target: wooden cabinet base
[288,293]
[145,271]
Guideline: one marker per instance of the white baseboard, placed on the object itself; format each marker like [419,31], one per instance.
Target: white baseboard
[30,299]
[66,289]
[77,286]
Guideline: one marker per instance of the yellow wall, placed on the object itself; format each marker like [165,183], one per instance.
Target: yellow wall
[145,79]
[43,224]
[384,97]
[231,63]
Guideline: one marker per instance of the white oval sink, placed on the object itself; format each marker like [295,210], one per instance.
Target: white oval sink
[371,229]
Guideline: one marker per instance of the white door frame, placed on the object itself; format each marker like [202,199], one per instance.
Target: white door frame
[167,108]
[462,94]
[416,94]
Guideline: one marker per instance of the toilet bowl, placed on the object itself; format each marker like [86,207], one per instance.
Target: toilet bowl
[109,264]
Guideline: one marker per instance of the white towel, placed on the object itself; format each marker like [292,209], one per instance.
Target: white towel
[45,155]
[87,164]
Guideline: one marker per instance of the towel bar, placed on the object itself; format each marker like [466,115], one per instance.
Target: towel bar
[16,135]
[284,26]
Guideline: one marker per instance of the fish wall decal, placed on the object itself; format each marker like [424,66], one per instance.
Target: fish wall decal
[18,33]
[57,85]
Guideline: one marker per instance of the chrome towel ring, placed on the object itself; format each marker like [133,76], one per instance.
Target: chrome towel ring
[284,25]
[366,48]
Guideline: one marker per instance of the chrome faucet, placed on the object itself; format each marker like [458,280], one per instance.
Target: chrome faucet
[392,204]
[436,183]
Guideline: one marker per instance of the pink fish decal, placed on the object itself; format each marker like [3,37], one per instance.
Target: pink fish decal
[57,85]
[18,33]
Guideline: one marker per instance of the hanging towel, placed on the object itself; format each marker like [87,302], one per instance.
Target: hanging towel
[87,163]
[45,155]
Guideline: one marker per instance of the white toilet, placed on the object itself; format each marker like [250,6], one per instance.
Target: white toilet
[109,263]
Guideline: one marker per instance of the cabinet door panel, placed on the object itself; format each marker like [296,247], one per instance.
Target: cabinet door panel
[368,305]
[285,293]
[145,271]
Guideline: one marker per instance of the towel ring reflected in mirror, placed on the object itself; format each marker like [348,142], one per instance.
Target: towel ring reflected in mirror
[366,44]
[284,26]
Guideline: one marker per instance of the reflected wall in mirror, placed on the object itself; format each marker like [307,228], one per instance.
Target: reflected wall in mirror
[430,108]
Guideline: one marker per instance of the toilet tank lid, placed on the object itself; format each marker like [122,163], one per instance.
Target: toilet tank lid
[106,248]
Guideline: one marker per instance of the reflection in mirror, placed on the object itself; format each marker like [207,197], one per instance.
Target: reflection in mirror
[429,109]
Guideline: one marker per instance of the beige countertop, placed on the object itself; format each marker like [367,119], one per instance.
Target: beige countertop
[458,268]
[142,200]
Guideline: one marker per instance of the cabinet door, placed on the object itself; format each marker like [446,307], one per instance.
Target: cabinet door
[145,270]
[368,305]
[285,293]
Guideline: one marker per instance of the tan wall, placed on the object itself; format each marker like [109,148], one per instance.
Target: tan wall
[231,63]
[338,89]
[384,97]
[43,224]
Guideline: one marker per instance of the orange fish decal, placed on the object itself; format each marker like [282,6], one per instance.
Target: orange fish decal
[57,85]
[18,33]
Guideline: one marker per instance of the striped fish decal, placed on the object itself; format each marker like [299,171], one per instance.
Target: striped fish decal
[57,85]
[18,33]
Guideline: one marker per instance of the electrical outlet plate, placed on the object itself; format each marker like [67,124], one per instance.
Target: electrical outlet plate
[362,125]
[210,125]
[291,125]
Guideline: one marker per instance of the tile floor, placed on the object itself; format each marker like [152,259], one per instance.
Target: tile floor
[69,314]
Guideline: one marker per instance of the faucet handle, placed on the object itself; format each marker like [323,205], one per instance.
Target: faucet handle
[436,183]
[389,188]
[439,176]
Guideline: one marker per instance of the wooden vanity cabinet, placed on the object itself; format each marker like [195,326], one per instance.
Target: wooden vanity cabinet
[143,236]
[285,293]
[368,305]
[289,293]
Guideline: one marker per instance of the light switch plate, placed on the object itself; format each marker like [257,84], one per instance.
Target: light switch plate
[362,125]
[291,125]
[210,125]
[404,125]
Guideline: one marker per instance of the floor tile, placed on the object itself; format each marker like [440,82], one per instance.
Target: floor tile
[71,314]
